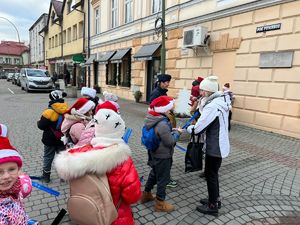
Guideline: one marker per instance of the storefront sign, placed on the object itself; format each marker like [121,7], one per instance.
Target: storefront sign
[276,59]
[266,28]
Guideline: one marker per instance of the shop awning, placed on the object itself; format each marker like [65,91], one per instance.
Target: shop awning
[78,58]
[103,59]
[91,59]
[117,58]
[146,52]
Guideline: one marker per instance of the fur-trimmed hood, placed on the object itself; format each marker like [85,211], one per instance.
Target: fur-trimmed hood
[76,162]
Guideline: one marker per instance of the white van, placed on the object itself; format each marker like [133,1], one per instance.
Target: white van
[35,79]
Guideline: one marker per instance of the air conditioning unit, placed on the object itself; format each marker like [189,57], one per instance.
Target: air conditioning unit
[194,37]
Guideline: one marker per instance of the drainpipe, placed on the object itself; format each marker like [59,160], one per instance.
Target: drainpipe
[88,43]
[163,38]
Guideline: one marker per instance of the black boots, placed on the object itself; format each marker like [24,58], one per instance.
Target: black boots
[46,177]
[205,202]
[209,208]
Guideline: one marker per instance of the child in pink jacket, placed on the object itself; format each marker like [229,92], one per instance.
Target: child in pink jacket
[13,186]
[76,119]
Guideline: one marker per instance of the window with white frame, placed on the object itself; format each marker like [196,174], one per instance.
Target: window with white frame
[128,11]
[156,6]
[97,21]
[114,13]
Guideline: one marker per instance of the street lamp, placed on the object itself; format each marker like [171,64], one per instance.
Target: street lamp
[1,17]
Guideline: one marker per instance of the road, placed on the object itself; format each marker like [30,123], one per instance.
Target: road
[259,181]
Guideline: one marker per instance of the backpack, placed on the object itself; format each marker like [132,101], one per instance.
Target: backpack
[149,138]
[90,201]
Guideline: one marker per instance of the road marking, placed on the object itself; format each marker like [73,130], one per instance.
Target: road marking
[11,91]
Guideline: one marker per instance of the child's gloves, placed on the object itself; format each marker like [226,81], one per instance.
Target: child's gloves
[26,186]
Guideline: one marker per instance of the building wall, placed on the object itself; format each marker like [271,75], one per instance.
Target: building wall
[265,98]
[37,42]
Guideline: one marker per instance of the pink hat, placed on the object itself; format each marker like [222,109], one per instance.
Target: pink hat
[162,104]
[82,105]
[7,152]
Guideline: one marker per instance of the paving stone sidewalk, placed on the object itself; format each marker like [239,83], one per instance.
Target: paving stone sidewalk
[259,181]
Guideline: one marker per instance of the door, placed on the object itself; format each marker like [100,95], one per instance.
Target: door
[153,69]
[223,67]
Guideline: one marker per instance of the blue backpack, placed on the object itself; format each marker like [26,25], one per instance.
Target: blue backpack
[149,138]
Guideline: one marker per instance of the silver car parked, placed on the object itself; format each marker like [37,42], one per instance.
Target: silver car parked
[35,79]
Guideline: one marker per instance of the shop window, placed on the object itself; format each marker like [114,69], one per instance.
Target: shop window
[112,71]
[125,72]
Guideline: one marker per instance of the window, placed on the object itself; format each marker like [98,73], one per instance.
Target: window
[1,60]
[69,35]
[16,61]
[64,37]
[70,3]
[80,30]
[97,21]
[53,42]
[114,13]
[8,60]
[125,72]
[56,40]
[75,32]
[128,11]
[156,6]
[59,38]
[49,42]
[112,73]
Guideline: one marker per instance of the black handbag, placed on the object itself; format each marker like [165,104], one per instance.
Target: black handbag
[193,156]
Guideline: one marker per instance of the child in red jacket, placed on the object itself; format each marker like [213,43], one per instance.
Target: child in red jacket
[108,154]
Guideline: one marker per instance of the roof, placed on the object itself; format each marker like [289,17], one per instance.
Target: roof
[38,20]
[12,48]
[57,5]
[117,58]
[147,51]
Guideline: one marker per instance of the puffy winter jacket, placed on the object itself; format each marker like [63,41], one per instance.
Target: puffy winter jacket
[122,176]
[48,123]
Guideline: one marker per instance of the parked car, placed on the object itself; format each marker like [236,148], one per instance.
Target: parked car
[9,76]
[3,75]
[15,78]
[35,79]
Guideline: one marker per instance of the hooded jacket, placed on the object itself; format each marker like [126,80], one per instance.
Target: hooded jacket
[122,176]
[163,130]
[214,120]
[48,123]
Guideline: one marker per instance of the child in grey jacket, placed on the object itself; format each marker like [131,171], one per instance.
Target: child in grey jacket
[161,158]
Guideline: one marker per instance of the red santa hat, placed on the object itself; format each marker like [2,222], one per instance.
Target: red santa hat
[108,105]
[86,91]
[7,152]
[82,105]
[162,104]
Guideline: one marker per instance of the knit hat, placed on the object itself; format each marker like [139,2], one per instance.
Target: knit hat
[82,105]
[7,152]
[56,95]
[108,105]
[109,124]
[210,84]
[163,77]
[200,79]
[88,92]
[162,104]
[110,96]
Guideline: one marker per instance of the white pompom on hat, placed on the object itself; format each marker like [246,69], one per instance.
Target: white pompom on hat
[86,91]
[210,84]
[162,104]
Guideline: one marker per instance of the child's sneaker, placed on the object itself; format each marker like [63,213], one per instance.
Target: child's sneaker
[172,184]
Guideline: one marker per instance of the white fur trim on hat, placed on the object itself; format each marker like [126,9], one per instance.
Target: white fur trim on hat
[163,109]
[86,107]
[88,91]
[3,130]
[210,84]
[8,153]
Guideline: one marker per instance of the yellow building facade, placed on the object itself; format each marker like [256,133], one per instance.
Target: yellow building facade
[253,45]
[64,39]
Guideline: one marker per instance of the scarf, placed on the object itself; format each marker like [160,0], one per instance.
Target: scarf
[13,191]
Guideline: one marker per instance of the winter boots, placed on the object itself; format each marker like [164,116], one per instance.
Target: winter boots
[46,177]
[163,206]
[211,209]
[147,197]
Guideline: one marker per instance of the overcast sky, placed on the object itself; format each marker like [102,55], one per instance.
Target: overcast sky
[23,14]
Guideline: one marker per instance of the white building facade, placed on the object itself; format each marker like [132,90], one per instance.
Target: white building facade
[36,40]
